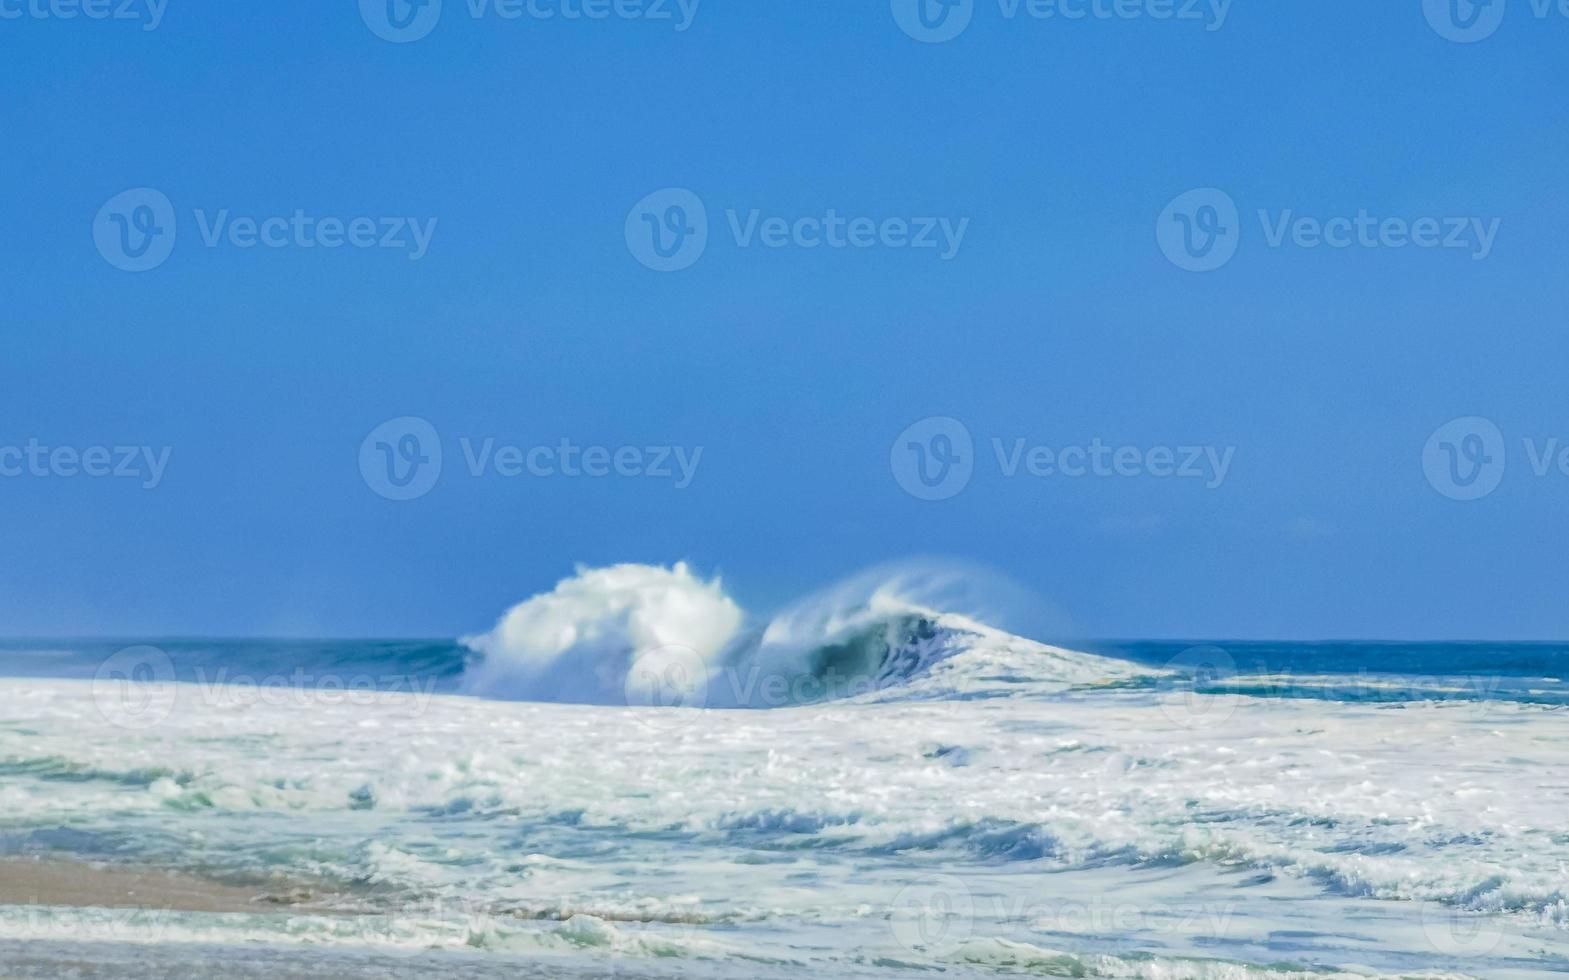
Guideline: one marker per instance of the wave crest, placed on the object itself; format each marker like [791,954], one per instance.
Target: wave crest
[649,635]
[578,642]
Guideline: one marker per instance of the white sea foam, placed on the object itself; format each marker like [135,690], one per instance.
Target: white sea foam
[579,642]
[640,635]
[1250,836]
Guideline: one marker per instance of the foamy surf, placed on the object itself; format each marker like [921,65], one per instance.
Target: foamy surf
[650,636]
[928,793]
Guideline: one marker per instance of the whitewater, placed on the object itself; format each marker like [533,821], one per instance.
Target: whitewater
[629,773]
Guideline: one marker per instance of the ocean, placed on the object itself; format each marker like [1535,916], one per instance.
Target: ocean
[630,776]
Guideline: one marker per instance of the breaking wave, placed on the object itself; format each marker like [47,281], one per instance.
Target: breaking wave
[655,636]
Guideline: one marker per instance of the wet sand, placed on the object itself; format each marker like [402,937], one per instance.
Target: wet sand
[25,881]
[28,882]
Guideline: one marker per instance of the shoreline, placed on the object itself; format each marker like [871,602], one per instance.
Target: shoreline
[34,960]
[61,883]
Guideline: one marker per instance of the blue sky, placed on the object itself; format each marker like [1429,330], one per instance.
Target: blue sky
[1056,322]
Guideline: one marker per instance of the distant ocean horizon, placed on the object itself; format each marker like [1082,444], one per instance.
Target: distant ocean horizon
[196,658]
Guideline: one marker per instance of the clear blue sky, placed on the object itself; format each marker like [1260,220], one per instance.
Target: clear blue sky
[529,320]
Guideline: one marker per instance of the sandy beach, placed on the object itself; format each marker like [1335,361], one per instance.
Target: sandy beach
[27,882]
[147,897]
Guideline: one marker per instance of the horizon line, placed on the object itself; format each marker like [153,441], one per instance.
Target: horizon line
[457,640]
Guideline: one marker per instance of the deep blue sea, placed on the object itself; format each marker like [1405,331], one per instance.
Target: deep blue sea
[1533,672]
